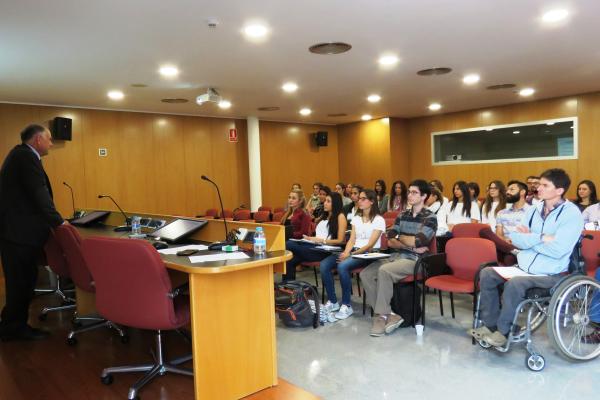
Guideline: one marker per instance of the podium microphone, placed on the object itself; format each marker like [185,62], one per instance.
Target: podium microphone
[218,245]
[122,228]
[72,197]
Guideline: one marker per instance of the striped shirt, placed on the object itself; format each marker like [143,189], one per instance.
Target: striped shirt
[422,226]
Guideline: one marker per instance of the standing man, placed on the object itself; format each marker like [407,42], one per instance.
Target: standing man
[27,214]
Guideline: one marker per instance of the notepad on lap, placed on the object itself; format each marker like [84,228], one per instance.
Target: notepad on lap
[510,272]
[371,256]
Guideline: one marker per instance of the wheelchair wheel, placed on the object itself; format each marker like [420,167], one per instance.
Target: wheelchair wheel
[569,318]
[535,362]
[538,318]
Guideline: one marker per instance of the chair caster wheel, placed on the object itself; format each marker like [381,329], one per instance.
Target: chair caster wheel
[71,341]
[535,362]
[43,317]
[107,380]
[125,339]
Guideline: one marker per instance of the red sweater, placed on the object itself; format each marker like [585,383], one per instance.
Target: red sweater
[300,222]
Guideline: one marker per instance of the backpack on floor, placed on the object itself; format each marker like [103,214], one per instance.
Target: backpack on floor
[297,304]
[402,302]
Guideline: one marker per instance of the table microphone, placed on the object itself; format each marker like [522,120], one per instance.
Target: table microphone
[218,245]
[72,198]
[122,228]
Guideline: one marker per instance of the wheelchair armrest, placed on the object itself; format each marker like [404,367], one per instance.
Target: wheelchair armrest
[179,290]
[434,264]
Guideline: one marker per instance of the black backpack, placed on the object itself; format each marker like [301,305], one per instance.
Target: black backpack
[402,302]
[292,304]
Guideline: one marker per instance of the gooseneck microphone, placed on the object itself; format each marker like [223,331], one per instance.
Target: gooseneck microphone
[122,228]
[72,197]
[204,177]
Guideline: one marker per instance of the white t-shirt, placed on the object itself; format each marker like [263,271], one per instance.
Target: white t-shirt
[489,217]
[456,216]
[363,230]
[322,230]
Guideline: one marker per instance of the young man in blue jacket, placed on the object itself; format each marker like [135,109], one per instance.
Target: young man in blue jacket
[545,242]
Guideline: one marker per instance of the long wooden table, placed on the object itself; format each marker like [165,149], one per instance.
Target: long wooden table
[232,311]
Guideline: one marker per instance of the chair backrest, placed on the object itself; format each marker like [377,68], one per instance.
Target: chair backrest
[279,210]
[132,283]
[227,214]
[278,216]
[55,257]
[70,240]
[589,251]
[212,212]
[433,246]
[465,255]
[467,230]
[262,216]
[389,222]
[242,214]
[265,208]
[391,214]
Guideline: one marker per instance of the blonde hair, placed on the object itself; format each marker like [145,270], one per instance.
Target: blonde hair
[302,199]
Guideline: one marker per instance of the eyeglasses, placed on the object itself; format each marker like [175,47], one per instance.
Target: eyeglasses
[414,192]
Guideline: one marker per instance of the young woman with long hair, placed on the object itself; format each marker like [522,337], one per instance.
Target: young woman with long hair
[494,202]
[398,199]
[461,210]
[586,194]
[340,188]
[382,196]
[296,215]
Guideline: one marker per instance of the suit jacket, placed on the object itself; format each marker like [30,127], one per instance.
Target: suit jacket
[27,210]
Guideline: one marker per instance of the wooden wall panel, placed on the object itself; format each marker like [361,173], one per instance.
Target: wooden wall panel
[399,147]
[583,106]
[289,154]
[365,152]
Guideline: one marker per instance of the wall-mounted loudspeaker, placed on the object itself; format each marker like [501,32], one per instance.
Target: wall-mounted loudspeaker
[321,139]
[61,128]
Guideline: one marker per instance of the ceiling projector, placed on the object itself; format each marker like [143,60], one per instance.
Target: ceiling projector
[211,95]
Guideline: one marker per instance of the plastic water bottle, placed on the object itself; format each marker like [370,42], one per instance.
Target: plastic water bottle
[136,228]
[260,241]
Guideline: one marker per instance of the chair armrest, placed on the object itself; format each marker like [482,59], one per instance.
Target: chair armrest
[434,264]
[476,277]
[179,290]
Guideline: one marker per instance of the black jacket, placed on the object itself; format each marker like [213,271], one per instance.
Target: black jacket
[27,210]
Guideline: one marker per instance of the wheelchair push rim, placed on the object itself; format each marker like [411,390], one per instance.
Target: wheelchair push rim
[569,318]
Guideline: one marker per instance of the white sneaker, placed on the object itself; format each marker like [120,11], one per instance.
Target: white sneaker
[331,307]
[345,312]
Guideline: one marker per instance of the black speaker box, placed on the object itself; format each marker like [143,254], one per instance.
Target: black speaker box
[61,128]
[321,138]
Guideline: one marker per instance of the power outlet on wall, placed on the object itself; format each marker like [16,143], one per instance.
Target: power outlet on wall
[102,152]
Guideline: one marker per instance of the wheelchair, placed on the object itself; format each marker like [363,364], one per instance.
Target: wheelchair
[566,308]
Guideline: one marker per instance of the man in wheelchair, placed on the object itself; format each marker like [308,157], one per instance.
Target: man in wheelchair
[551,230]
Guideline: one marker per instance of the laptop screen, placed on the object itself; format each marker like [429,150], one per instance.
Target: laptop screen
[178,229]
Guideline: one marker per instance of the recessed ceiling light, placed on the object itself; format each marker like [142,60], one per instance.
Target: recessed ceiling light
[555,15]
[366,117]
[224,104]
[388,60]
[435,106]
[525,92]
[289,87]
[471,79]
[115,95]
[168,71]
[305,111]
[516,132]
[374,98]
[255,31]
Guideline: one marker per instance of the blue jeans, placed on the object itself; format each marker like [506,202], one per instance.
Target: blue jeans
[303,252]
[595,306]
[344,269]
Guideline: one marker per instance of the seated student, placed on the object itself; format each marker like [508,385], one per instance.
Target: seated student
[350,210]
[533,196]
[367,227]
[398,200]
[349,189]
[330,231]
[461,210]
[296,186]
[436,183]
[546,241]
[296,215]
[586,194]
[319,213]
[409,239]
[382,197]
[314,200]
[495,201]
[434,200]
[474,191]
[340,188]
[591,217]
[507,221]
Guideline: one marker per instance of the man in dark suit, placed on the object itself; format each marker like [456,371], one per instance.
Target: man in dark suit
[27,214]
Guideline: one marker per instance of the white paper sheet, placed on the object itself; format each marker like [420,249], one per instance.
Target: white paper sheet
[329,248]
[238,255]
[371,256]
[174,250]
[510,272]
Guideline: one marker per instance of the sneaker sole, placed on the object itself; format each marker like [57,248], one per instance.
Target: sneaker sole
[376,334]
[342,316]
[392,328]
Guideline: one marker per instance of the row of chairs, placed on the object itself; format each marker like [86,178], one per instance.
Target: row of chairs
[265,214]
[111,269]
